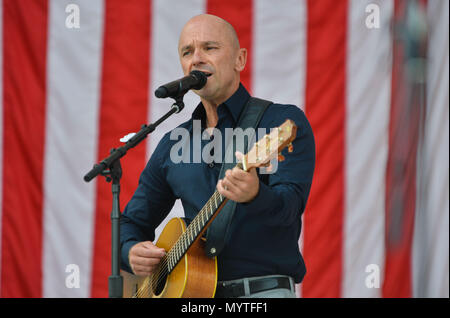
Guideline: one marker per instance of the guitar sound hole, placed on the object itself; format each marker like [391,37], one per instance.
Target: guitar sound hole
[159,283]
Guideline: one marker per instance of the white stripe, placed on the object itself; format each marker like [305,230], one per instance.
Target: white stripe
[169,17]
[369,52]
[73,87]
[431,239]
[1,134]
[279,51]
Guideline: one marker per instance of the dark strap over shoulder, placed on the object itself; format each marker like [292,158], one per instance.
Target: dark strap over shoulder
[217,233]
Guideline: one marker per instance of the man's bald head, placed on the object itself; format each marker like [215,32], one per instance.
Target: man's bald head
[210,44]
[211,21]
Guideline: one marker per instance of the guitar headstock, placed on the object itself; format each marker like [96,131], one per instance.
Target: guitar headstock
[271,146]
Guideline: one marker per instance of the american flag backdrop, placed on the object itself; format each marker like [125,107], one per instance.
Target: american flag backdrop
[371,75]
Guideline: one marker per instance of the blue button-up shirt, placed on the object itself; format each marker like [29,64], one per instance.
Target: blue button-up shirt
[264,233]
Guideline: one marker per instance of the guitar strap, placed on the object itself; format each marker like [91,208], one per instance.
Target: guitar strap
[217,232]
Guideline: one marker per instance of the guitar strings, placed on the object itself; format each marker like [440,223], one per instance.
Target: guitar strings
[150,282]
[163,265]
[163,269]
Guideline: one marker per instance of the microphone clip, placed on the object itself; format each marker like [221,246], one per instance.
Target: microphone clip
[178,105]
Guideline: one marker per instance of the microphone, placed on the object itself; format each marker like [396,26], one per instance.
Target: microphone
[177,88]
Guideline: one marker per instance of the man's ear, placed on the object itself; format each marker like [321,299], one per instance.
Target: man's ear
[241,60]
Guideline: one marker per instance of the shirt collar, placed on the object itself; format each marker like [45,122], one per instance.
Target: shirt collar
[234,104]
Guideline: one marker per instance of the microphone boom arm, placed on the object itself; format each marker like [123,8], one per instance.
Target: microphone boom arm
[118,153]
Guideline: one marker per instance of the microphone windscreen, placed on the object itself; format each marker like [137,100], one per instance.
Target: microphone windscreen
[201,77]
[161,92]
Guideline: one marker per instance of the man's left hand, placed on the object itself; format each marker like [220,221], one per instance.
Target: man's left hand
[239,185]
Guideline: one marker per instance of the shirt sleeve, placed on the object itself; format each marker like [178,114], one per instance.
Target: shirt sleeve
[283,194]
[150,204]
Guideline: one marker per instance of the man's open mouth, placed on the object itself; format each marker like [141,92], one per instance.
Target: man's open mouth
[208,74]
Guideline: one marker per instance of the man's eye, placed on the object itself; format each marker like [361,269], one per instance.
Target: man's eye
[210,48]
[185,53]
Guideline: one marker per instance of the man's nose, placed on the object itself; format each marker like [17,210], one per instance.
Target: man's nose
[198,58]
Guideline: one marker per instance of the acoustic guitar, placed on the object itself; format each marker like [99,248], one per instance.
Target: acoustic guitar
[185,270]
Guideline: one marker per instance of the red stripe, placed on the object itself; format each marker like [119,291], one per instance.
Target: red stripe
[404,127]
[124,107]
[325,109]
[240,14]
[24,80]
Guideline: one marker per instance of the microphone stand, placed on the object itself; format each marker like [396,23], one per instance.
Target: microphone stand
[111,169]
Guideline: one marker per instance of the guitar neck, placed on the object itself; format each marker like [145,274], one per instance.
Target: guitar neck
[197,227]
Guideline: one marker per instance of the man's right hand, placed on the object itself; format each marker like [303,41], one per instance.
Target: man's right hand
[144,257]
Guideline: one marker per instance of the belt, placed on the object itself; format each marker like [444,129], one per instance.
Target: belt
[236,288]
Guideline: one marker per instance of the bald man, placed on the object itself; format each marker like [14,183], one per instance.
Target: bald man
[261,256]
[210,44]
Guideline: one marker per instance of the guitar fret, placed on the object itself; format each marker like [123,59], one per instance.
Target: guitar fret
[210,208]
[184,244]
[201,221]
[170,261]
[215,200]
[186,238]
[178,251]
[175,254]
[193,233]
[173,260]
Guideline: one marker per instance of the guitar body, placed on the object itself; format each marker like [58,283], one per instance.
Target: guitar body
[195,276]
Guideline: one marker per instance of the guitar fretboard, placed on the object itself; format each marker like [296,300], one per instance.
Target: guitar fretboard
[174,255]
[194,229]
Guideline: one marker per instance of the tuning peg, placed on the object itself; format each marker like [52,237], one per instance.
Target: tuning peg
[290,147]
[280,157]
